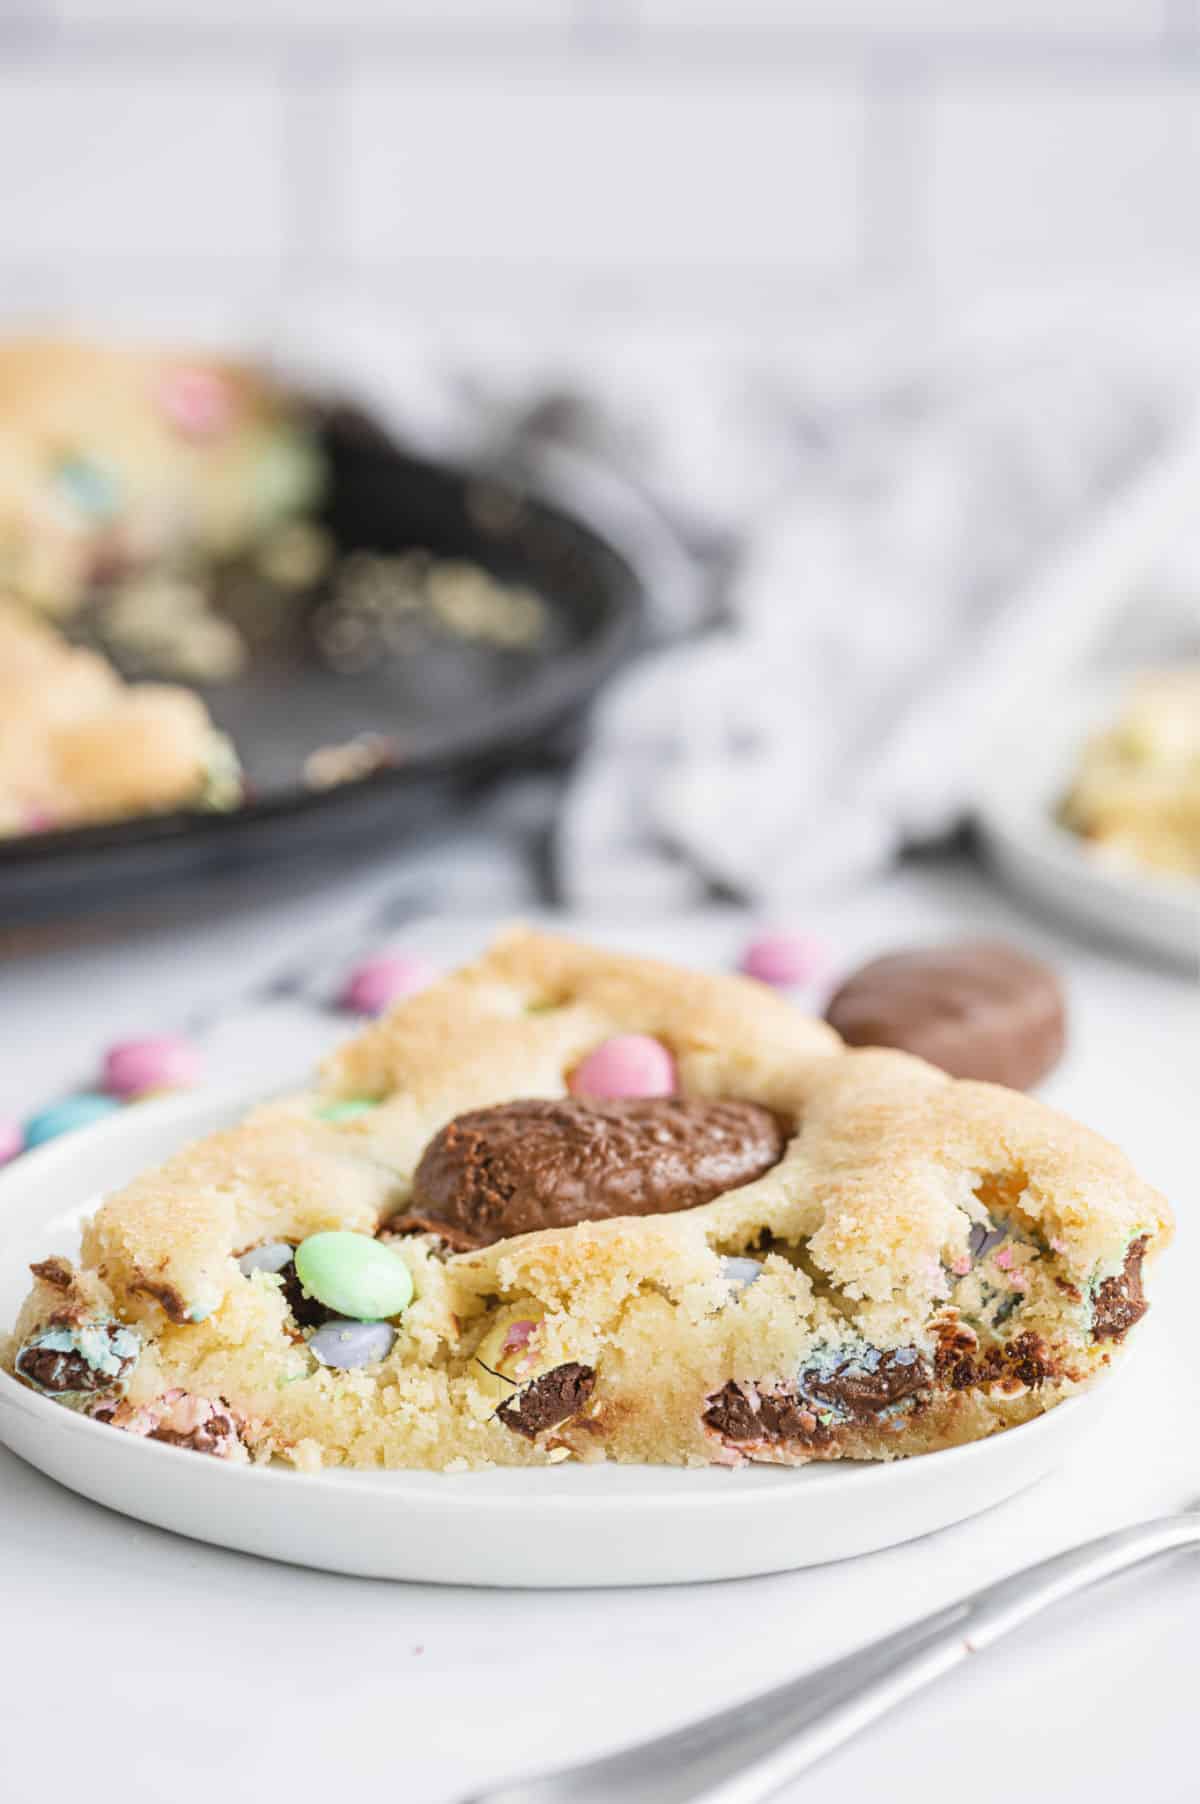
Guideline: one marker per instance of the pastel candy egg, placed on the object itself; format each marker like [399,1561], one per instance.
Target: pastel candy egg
[12,1140]
[354,1275]
[159,1062]
[63,1117]
[627,1065]
[197,402]
[269,1258]
[510,1353]
[347,1108]
[784,959]
[741,1273]
[88,487]
[344,1344]
[378,982]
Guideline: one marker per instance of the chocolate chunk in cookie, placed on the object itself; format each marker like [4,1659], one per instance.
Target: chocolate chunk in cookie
[1023,1363]
[863,1385]
[215,1436]
[306,1311]
[981,1009]
[549,1400]
[1121,1301]
[521,1166]
[857,1389]
[79,1357]
[744,1415]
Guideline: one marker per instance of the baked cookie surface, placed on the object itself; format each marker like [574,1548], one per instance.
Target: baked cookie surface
[448,1255]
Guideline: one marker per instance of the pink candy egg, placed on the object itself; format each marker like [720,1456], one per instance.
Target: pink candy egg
[627,1065]
[378,982]
[783,959]
[197,402]
[160,1062]
[12,1140]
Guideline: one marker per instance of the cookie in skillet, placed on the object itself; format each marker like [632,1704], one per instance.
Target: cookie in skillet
[79,745]
[457,1252]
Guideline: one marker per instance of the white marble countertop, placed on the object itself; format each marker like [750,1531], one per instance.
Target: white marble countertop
[137,1666]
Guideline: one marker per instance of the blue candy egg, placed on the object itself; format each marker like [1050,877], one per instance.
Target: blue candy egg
[89,487]
[72,1112]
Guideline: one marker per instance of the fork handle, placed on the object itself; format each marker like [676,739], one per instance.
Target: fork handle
[745,1754]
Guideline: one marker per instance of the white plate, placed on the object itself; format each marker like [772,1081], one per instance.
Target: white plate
[1026,769]
[582,1525]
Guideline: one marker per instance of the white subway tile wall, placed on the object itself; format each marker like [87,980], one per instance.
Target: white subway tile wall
[156,161]
[609,169]
[641,154]
[1092,181]
[908,19]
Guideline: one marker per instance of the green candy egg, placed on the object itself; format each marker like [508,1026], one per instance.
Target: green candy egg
[348,1109]
[353,1275]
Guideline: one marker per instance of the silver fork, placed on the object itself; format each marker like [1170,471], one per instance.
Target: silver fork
[745,1754]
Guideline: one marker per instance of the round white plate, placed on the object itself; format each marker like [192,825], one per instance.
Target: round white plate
[1026,769]
[579,1525]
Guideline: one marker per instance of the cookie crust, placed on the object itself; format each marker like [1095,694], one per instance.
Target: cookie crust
[885,1284]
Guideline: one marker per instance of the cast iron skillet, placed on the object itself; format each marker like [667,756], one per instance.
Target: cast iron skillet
[456,713]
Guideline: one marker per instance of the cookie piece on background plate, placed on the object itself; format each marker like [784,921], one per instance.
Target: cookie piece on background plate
[804,1253]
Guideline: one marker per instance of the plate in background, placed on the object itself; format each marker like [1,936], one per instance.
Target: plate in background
[560,1526]
[1027,767]
[455,712]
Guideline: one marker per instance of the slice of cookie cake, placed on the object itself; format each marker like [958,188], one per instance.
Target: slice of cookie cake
[567,1204]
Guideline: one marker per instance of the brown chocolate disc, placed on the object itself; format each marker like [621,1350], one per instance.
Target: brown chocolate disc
[979,1009]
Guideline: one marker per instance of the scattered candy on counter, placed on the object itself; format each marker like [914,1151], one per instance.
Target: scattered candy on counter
[159,1062]
[625,1066]
[344,1344]
[132,1071]
[784,959]
[374,985]
[348,1108]
[354,1275]
[72,1112]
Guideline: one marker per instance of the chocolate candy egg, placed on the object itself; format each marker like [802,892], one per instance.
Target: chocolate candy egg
[978,1009]
[63,1117]
[628,1065]
[354,1275]
[346,1344]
